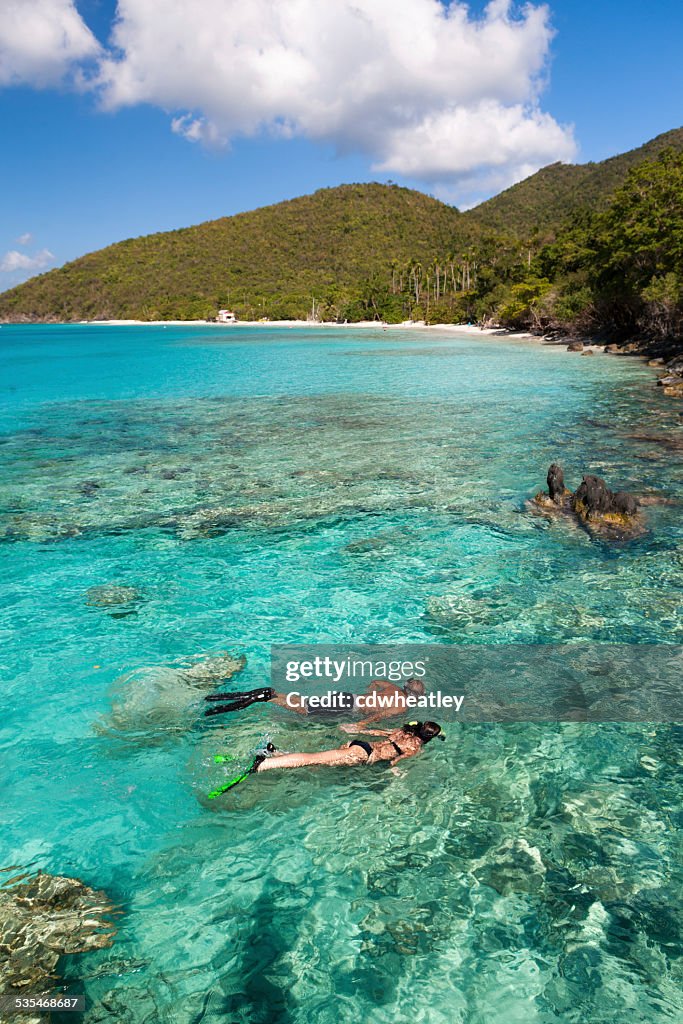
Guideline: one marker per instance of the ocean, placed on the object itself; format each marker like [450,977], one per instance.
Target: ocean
[170,494]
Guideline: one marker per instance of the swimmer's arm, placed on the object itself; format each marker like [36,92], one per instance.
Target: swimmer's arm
[362,726]
[401,757]
[371,732]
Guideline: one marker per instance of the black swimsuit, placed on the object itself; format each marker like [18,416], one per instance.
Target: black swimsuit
[367,747]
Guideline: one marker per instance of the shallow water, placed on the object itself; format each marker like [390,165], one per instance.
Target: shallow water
[252,487]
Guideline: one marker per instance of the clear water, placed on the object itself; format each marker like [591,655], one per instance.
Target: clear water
[261,486]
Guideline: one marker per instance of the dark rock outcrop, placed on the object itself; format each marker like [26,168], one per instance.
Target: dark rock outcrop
[612,515]
[555,481]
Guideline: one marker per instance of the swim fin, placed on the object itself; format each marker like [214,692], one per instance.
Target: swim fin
[236,779]
[238,701]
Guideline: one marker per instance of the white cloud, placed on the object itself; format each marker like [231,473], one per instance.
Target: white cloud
[424,89]
[14,261]
[25,238]
[41,41]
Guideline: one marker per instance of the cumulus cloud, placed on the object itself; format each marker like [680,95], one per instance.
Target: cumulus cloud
[426,89]
[41,41]
[14,261]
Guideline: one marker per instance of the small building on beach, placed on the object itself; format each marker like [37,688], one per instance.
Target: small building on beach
[226,316]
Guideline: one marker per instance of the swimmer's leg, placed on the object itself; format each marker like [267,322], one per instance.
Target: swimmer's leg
[340,756]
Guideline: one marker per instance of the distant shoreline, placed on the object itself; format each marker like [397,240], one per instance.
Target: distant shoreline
[406,325]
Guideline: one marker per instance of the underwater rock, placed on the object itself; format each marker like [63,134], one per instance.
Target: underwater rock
[214,668]
[364,545]
[42,917]
[603,512]
[575,346]
[109,594]
[37,528]
[151,704]
[89,488]
[514,867]
[462,610]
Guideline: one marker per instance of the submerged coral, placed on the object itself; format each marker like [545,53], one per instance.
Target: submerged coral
[150,704]
[43,917]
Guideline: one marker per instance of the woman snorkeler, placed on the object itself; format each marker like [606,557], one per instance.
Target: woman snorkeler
[396,745]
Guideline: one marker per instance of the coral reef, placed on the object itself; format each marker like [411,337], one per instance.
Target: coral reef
[42,917]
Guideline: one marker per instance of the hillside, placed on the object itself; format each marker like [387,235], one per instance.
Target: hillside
[274,260]
[548,199]
[592,249]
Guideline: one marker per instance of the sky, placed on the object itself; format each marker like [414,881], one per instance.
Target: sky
[124,118]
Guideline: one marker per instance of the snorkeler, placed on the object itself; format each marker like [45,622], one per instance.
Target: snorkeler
[397,745]
[392,702]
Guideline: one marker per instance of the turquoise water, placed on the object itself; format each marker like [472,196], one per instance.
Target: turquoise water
[265,486]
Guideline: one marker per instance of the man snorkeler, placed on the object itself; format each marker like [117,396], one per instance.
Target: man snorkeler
[387,701]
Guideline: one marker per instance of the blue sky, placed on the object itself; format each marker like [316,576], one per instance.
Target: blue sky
[90,157]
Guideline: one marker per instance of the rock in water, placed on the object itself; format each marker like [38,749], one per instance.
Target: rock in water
[515,867]
[594,494]
[575,346]
[43,917]
[594,505]
[624,504]
[213,669]
[151,705]
[110,594]
[555,481]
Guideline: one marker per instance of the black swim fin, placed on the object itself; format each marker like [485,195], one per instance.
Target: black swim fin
[231,695]
[237,702]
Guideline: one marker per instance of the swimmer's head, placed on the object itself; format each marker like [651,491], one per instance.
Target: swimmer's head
[425,731]
[414,688]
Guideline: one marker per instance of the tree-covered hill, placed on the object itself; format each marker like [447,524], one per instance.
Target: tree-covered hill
[541,204]
[273,261]
[592,250]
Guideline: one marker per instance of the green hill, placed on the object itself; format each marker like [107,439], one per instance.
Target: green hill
[541,255]
[548,199]
[272,261]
